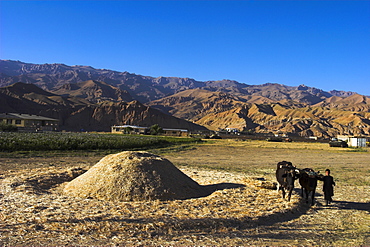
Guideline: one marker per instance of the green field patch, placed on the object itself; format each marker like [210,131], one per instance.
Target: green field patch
[11,142]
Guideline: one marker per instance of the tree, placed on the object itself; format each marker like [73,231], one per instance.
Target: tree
[155,129]
[127,130]
[7,127]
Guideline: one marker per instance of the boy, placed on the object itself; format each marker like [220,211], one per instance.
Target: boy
[328,187]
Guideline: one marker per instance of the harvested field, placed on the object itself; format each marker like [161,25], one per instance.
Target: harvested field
[42,215]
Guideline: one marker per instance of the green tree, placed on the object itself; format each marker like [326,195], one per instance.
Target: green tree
[127,130]
[155,129]
[7,127]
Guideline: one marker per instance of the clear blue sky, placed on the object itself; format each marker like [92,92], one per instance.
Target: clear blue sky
[323,44]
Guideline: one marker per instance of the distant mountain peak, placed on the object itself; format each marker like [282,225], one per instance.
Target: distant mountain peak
[21,88]
[341,93]
[302,87]
[143,88]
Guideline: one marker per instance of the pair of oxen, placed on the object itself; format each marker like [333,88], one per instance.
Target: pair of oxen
[286,174]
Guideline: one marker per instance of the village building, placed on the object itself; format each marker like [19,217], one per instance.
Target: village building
[29,123]
[353,141]
[175,132]
[132,129]
[232,130]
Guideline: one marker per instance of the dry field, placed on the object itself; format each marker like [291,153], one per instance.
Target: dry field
[33,211]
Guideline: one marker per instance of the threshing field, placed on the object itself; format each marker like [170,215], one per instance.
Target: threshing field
[31,214]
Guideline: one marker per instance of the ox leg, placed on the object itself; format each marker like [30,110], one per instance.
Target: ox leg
[290,194]
[307,194]
[283,190]
[313,198]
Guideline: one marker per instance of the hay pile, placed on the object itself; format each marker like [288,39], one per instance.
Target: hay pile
[135,176]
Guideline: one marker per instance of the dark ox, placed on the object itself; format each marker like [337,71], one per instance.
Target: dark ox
[286,174]
[308,181]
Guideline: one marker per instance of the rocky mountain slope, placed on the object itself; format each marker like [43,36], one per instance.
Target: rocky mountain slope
[270,107]
[218,110]
[94,91]
[146,88]
[77,114]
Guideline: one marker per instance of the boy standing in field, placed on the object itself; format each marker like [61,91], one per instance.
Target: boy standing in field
[328,187]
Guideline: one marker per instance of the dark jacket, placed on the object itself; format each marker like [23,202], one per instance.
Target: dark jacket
[328,186]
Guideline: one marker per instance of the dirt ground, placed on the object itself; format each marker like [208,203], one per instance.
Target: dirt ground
[32,214]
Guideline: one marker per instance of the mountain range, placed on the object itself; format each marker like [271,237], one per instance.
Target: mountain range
[76,114]
[95,99]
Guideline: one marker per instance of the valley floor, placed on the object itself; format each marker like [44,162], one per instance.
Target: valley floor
[252,215]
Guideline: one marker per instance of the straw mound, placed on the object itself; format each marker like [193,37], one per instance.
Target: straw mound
[135,176]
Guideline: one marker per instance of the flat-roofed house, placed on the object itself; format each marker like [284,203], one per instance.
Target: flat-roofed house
[29,122]
[132,129]
[175,132]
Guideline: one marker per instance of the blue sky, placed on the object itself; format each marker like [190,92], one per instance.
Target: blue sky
[323,44]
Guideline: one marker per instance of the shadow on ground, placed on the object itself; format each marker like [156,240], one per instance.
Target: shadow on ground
[346,205]
[222,186]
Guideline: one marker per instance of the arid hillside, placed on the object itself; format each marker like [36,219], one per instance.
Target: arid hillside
[355,102]
[146,88]
[219,110]
[86,98]
[194,104]
[94,91]
[77,114]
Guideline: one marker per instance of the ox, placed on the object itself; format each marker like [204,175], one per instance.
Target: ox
[308,181]
[286,174]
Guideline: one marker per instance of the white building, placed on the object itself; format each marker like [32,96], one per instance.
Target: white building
[232,130]
[353,141]
[357,142]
